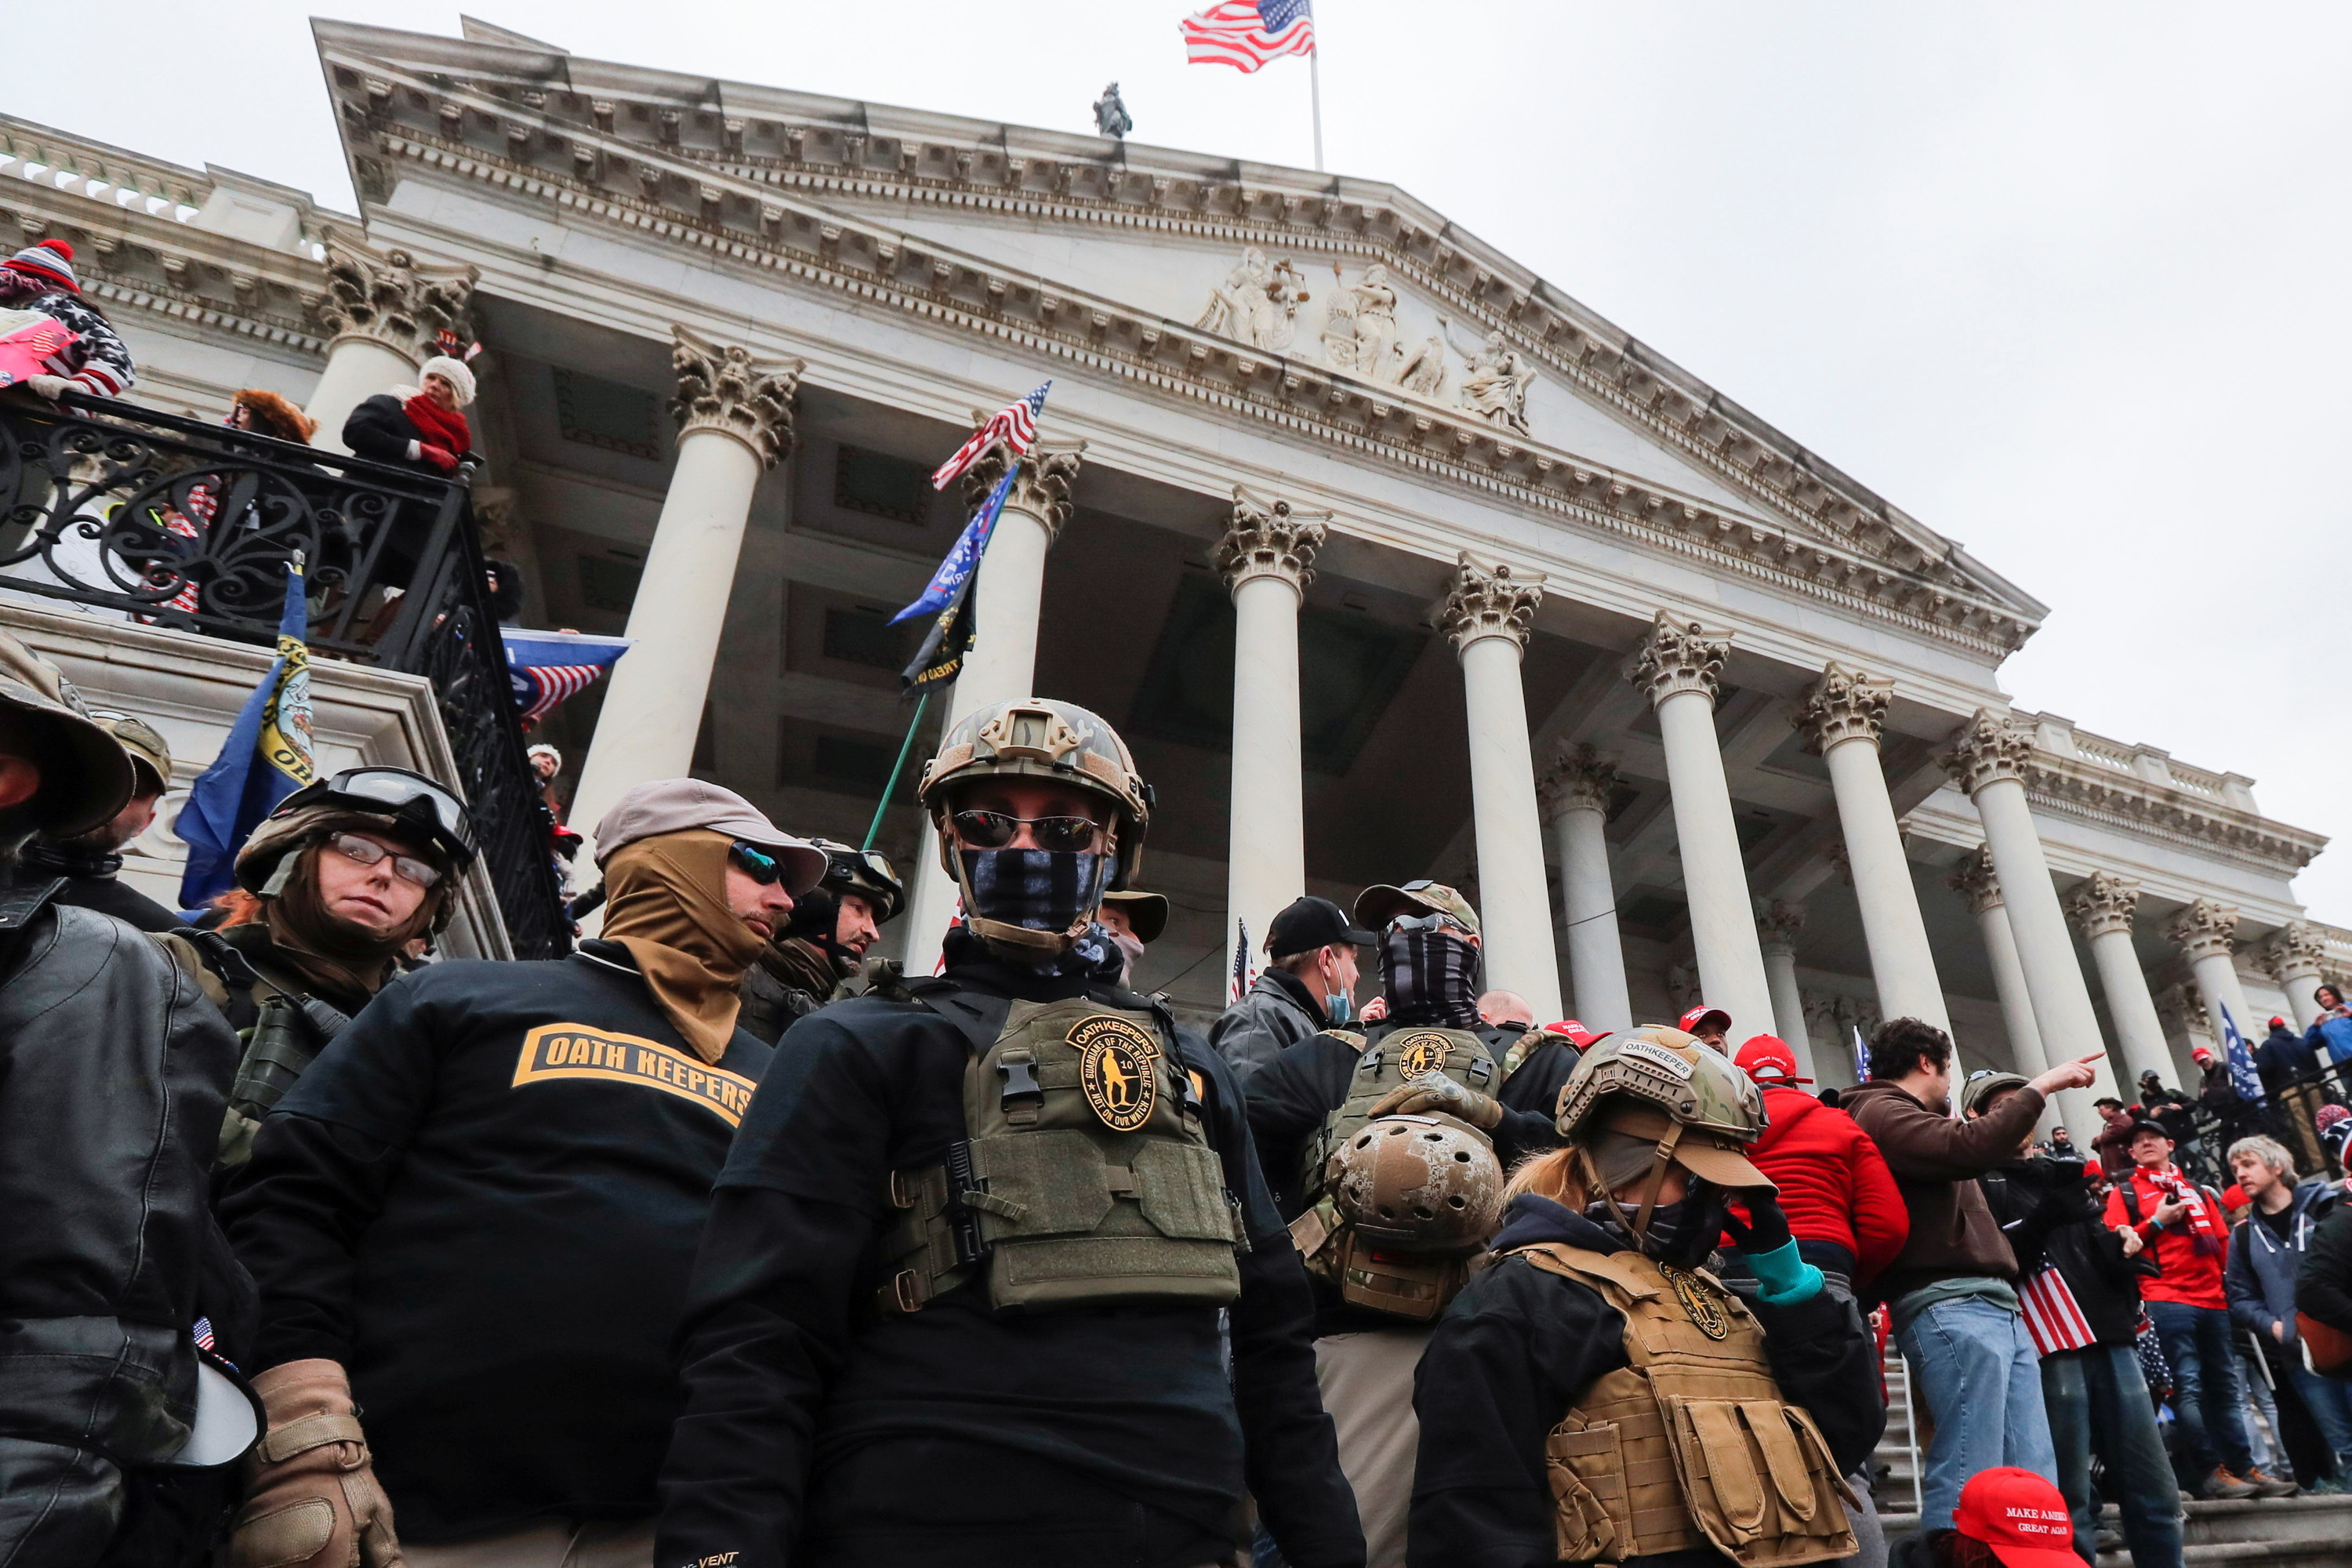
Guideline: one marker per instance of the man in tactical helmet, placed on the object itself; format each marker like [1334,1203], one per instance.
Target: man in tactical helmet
[90,861]
[112,1076]
[473,1219]
[813,960]
[1595,1395]
[965,1290]
[1308,985]
[348,870]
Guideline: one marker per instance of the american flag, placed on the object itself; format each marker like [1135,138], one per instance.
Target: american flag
[2053,1317]
[1015,425]
[1241,977]
[1246,33]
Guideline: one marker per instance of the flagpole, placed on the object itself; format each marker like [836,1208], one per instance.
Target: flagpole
[896,769]
[1315,88]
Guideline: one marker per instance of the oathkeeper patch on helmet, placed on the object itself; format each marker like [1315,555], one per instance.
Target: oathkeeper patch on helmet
[1115,1070]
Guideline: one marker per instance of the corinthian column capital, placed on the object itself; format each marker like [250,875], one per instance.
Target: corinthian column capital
[1778,926]
[721,387]
[1987,749]
[385,296]
[1843,705]
[1580,779]
[2295,952]
[2102,903]
[2207,928]
[1679,656]
[1041,486]
[1269,539]
[1974,879]
[1490,601]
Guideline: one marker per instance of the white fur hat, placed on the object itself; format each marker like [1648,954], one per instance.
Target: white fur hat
[457,373]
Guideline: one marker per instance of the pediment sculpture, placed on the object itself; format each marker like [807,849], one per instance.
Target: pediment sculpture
[1494,387]
[1258,302]
[1361,334]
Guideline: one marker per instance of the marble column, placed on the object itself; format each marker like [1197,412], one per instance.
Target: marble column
[1266,558]
[2102,906]
[1990,757]
[1576,794]
[1976,883]
[1842,717]
[1003,663]
[1487,613]
[1677,671]
[1776,934]
[381,311]
[735,416]
[2205,931]
[2296,956]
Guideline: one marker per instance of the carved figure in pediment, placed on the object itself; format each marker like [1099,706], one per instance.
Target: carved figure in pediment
[1496,386]
[1360,330]
[1421,372]
[1258,302]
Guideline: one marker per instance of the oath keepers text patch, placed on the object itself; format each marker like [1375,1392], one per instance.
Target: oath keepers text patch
[554,1051]
[1117,1070]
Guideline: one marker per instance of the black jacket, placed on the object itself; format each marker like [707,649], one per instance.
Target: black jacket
[381,430]
[91,882]
[114,1072]
[820,1431]
[482,1200]
[2049,1217]
[1278,1013]
[1515,1351]
[2324,1287]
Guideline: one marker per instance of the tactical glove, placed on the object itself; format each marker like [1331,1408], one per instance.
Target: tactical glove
[1767,1230]
[1435,1094]
[312,1500]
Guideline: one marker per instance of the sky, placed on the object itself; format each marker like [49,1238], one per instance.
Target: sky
[2065,279]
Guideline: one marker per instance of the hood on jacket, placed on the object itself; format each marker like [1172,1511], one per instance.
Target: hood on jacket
[2312,1201]
[1876,1088]
[1532,1218]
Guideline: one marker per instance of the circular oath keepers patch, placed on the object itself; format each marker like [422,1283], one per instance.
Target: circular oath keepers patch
[1115,1069]
[1424,1052]
[1699,1303]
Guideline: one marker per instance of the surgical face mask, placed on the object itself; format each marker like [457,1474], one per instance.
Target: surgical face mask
[1338,1001]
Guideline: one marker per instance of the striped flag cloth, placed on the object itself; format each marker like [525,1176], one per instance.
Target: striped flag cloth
[1015,425]
[545,668]
[2052,1316]
[1246,33]
[1238,983]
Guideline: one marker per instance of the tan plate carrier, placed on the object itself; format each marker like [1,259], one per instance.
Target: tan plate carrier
[1692,1444]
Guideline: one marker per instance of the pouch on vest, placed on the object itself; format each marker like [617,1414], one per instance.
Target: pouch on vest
[1086,1177]
[1691,1444]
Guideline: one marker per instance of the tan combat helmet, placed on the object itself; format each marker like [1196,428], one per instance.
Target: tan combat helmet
[1054,741]
[1662,1086]
[1418,1184]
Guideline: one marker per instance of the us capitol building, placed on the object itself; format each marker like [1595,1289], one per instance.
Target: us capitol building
[1387,557]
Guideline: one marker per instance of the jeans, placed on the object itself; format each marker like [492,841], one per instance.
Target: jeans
[2329,1400]
[2265,1438]
[2098,1403]
[1975,1366]
[2206,1398]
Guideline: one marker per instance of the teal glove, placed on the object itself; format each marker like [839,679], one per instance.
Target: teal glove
[1787,1278]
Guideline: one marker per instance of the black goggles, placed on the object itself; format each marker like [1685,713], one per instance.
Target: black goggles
[395,792]
[995,830]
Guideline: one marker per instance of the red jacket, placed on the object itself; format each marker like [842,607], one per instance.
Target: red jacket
[1834,1184]
[2186,1271]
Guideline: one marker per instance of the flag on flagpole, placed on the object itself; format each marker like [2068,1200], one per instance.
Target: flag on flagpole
[1247,34]
[2241,1058]
[1015,425]
[545,668]
[1238,983]
[266,758]
[949,594]
[1861,1057]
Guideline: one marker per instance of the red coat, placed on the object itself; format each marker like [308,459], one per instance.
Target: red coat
[1834,1184]
[2188,1267]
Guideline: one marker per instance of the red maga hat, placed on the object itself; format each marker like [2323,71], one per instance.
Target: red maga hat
[1699,1014]
[2021,1516]
[1576,1034]
[1767,1058]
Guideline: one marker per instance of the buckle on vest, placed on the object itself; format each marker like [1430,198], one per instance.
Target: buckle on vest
[902,1190]
[1020,1082]
[1369,1064]
[906,1291]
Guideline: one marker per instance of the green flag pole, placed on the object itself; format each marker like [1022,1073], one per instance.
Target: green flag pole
[896,769]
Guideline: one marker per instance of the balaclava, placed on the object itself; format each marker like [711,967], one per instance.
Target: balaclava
[1431,977]
[666,901]
[1680,1234]
[817,916]
[1040,890]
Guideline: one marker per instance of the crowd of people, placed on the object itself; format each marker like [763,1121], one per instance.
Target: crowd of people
[722,1242]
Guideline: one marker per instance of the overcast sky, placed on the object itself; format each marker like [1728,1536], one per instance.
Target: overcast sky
[2065,280]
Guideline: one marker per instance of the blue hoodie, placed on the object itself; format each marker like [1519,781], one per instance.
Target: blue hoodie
[2260,1276]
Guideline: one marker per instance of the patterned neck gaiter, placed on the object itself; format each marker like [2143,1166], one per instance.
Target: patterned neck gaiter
[1429,978]
[1043,890]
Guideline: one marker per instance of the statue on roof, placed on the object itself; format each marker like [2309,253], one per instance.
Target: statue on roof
[1111,118]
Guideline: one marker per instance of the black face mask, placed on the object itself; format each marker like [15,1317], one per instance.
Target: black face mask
[1431,978]
[1681,1233]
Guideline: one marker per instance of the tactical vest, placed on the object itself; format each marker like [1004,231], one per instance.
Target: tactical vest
[290,1030]
[1084,1178]
[1414,1286]
[1691,1444]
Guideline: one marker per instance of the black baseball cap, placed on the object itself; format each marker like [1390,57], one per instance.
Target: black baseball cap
[1311,922]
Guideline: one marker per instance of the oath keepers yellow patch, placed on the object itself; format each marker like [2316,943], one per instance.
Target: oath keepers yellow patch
[1424,1052]
[1699,1303]
[1115,1069]
[555,1051]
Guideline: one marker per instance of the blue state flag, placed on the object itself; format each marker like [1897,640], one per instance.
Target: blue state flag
[946,583]
[2241,1058]
[266,758]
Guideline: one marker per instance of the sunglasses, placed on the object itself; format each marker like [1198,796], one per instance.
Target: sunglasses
[757,864]
[368,852]
[995,830]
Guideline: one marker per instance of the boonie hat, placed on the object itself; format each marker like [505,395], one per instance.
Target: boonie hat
[85,776]
[2021,1516]
[1380,903]
[1147,913]
[687,805]
[1691,1021]
[1308,923]
[151,755]
[1767,1058]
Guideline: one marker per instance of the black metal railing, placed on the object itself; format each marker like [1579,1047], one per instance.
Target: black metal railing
[190,525]
[2287,1112]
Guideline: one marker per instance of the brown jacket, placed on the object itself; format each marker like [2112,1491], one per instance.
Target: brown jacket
[1936,1161]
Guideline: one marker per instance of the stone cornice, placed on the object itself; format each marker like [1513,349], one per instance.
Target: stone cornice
[392,117]
[2083,789]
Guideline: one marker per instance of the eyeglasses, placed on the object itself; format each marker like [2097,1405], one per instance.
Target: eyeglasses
[1433,920]
[757,864]
[368,852]
[995,830]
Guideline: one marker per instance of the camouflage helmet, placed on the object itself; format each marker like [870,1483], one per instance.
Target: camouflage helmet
[1660,1083]
[1043,738]
[1418,1184]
